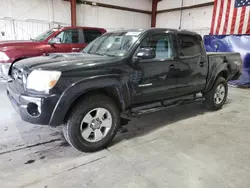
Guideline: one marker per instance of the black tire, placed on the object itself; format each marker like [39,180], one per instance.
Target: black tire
[210,96]
[71,129]
[65,134]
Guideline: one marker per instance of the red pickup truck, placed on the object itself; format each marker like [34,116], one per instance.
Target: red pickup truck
[61,39]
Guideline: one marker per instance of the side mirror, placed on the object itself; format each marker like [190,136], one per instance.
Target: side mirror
[55,41]
[146,53]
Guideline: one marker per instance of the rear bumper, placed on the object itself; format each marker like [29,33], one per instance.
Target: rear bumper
[35,110]
[236,76]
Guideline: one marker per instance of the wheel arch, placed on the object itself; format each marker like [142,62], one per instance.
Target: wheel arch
[16,60]
[106,86]
[221,72]
[109,91]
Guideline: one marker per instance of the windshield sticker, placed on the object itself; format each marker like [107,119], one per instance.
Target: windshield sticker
[133,33]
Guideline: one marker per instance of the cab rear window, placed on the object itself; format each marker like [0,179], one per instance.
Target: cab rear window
[91,34]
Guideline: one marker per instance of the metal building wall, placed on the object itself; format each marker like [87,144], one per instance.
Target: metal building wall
[111,19]
[24,19]
[196,19]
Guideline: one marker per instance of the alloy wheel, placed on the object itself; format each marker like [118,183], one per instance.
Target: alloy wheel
[96,124]
[219,94]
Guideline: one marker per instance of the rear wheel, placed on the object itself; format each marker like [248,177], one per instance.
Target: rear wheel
[92,124]
[217,96]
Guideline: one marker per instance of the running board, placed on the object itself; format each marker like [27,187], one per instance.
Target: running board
[163,105]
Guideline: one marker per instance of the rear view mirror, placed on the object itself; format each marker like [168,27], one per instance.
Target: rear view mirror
[55,40]
[146,53]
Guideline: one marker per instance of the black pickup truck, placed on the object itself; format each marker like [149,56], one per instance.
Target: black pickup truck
[128,72]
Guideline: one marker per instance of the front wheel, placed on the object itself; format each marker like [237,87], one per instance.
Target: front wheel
[92,124]
[217,96]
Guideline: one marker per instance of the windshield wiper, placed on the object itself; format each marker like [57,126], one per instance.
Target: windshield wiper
[101,54]
[110,55]
[96,53]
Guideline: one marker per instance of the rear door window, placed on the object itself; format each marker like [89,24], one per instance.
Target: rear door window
[189,45]
[91,34]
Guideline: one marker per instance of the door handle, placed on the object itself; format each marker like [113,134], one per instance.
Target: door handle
[201,64]
[171,66]
[75,49]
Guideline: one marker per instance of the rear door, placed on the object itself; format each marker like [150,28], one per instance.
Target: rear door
[192,65]
[85,37]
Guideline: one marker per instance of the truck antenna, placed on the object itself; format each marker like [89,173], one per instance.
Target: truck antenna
[181,14]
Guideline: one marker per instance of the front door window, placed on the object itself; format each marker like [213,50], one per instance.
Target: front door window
[72,36]
[162,45]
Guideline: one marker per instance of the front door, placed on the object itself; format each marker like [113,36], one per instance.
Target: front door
[71,40]
[192,65]
[157,76]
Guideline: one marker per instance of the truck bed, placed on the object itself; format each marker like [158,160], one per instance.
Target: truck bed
[233,60]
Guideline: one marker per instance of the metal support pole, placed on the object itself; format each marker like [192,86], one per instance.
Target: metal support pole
[154,12]
[73,12]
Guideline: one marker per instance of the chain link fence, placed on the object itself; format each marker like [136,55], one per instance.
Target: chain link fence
[11,29]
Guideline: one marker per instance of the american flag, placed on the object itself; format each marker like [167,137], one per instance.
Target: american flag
[231,17]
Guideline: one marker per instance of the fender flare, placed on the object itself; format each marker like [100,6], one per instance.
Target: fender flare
[213,74]
[75,90]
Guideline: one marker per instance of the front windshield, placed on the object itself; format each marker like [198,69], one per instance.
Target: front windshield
[45,35]
[112,44]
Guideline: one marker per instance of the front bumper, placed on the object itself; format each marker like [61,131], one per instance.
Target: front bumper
[4,70]
[32,109]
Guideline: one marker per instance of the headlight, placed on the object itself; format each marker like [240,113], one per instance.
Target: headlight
[3,57]
[41,80]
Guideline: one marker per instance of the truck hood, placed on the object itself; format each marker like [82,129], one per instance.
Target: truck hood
[16,44]
[65,61]
[12,42]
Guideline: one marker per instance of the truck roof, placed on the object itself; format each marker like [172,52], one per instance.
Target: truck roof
[160,29]
[80,27]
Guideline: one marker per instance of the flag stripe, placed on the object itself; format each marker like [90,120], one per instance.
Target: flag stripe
[213,18]
[242,16]
[224,15]
[227,17]
[230,17]
[233,21]
[248,26]
[237,21]
[217,15]
[246,20]
[220,16]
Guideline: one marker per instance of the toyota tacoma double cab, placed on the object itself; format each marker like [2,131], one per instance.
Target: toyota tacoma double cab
[55,40]
[121,73]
